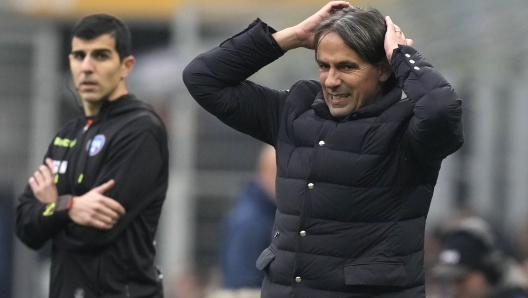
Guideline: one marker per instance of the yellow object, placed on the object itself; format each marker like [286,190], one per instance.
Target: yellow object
[49,209]
[153,9]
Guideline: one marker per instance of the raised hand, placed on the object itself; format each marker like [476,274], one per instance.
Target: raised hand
[305,30]
[43,184]
[96,210]
[394,37]
[302,35]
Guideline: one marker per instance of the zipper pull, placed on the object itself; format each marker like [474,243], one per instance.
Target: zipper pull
[88,123]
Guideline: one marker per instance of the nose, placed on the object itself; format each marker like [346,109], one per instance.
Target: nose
[87,65]
[332,80]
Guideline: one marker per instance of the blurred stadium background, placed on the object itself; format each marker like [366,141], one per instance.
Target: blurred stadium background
[480,46]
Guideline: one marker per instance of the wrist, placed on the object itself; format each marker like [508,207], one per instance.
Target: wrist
[64,203]
[287,39]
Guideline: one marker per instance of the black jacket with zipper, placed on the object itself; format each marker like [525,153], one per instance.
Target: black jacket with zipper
[126,142]
[352,194]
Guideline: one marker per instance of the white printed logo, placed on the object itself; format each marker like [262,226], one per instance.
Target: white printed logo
[79,293]
[60,166]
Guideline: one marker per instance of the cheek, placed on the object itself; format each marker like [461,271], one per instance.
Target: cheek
[113,76]
[322,77]
[74,69]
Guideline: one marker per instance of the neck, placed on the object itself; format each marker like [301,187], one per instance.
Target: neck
[92,108]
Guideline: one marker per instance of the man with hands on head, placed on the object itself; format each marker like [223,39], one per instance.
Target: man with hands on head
[98,196]
[356,163]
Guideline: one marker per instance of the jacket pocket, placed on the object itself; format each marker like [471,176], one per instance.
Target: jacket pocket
[375,274]
[265,258]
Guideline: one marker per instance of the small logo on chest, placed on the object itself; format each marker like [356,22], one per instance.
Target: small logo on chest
[96,145]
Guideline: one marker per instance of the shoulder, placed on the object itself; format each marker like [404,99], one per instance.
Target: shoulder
[70,126]
[302,95]
[141,116]
[306,86]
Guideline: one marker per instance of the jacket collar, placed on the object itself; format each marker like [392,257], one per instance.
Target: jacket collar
[115,106]
[371,110]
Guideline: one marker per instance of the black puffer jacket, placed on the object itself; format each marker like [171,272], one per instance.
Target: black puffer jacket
[352,194]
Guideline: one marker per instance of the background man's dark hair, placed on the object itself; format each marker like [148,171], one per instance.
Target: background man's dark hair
[93,26]
[363,30]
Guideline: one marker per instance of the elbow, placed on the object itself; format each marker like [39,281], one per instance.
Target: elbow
[31,240]
[187,74]
[191,75]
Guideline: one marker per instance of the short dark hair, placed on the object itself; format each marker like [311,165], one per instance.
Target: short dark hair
[363,30]
[93,26]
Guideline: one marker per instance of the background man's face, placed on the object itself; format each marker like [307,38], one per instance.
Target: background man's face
[474,285]
[348,82]
[96,68]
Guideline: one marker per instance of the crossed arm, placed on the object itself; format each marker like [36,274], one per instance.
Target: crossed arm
[92,209]
[137,164]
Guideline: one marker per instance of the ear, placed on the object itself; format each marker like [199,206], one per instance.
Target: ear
[385,71]
[126,66]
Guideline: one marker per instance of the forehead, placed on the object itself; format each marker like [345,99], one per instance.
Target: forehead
[105,41]
[332,48]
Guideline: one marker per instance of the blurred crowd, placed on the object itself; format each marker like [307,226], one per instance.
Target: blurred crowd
[465,257]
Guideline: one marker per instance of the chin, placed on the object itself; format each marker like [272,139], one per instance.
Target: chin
[91,98]
[338,113]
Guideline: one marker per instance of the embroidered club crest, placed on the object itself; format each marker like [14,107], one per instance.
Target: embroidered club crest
[96,145]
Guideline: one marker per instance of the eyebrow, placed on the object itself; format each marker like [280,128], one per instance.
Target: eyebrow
[94,51]
[339,63]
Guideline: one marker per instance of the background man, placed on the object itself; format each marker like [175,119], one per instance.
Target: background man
[472,266]
[247,233]
[99,194]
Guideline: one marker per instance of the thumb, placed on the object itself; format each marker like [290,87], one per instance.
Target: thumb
[105,186]
[390,24]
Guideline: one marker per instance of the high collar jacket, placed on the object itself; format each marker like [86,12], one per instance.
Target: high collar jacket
[352,194]
[126,142]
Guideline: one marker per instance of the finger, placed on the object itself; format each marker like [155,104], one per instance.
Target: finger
[38,178]
[46,173]
[336,5]
[114,205]
[390,24]
[109,220]
[99,224]
[339,3]
[105,186]
[33,184]
[410,42]
[108,210]
[49,162]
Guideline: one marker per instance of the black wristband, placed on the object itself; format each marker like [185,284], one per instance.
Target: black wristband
[64,203]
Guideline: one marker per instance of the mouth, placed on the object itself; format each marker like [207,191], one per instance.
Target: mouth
[337,99]
[88,84]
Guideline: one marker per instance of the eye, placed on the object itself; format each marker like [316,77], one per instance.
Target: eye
[78,55]
[323,67]
[348,67]
[100,56]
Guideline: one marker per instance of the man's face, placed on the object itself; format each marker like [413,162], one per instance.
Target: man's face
[348,82]
[96,68]
[474,285]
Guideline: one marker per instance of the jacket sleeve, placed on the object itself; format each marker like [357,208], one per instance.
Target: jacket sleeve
[217,81]
[435,130]
[138,162]
[37,222]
